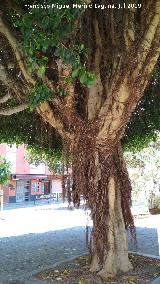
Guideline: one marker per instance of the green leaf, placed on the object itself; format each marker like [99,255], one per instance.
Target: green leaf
[41,70]
[82,47]
[75,73]
[30,51]
[67,80]
[4,170]
[83,78]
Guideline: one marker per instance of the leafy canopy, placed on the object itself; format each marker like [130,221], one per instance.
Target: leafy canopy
[46,34]
[4,170]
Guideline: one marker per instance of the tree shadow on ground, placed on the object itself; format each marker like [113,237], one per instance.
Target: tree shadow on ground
[147,241]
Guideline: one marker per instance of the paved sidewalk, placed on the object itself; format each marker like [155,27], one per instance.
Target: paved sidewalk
[27,204]
[37,237]
[148,235]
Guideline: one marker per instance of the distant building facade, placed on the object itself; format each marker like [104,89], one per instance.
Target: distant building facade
[28,181]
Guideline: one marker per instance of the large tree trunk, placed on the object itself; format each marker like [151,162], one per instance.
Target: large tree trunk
[124,48]
[106,187]
[115,256]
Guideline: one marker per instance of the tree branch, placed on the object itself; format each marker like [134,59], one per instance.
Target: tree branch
[47,114]
[18,53]
[67,105]
[95,91]
[44,109]
[145,45]
[65,70]
[5,98]
[5,78]
[116,111]
[129,28]
[18,88]
[145,15]
[12,110]
[149,65]
[112,28]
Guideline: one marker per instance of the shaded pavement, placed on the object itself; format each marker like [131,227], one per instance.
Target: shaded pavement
[37,237]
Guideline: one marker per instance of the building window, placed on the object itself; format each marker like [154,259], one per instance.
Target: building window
[27,185]
[42,188]
[35,187]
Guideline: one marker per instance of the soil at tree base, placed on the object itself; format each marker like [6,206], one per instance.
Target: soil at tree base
[145,270]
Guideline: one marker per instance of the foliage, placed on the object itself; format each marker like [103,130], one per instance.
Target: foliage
[54,30]
[141,130]
[29,129]
[37,156]
[4,170]
[157,202]
[39,94]
[52,62]
[145,121]
[144,167]
[154,201]
[49,31]
[47,35]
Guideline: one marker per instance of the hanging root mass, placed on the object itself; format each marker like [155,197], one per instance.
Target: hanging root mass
[91,172]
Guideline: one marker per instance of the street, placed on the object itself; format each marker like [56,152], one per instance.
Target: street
[36,237]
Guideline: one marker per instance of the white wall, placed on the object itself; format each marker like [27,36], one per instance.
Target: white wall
[11,156]
[40,169]
[56,186]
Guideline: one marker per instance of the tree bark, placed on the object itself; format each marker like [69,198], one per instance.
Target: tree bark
[105,184]
[123,59]
[115,259]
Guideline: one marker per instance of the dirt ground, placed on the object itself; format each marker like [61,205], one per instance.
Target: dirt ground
[77,271]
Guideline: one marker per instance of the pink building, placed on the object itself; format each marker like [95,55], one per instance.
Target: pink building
[27,181]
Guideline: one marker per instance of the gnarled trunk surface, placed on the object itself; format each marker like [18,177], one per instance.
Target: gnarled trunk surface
[103,180]
[115,256]
[123,49]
